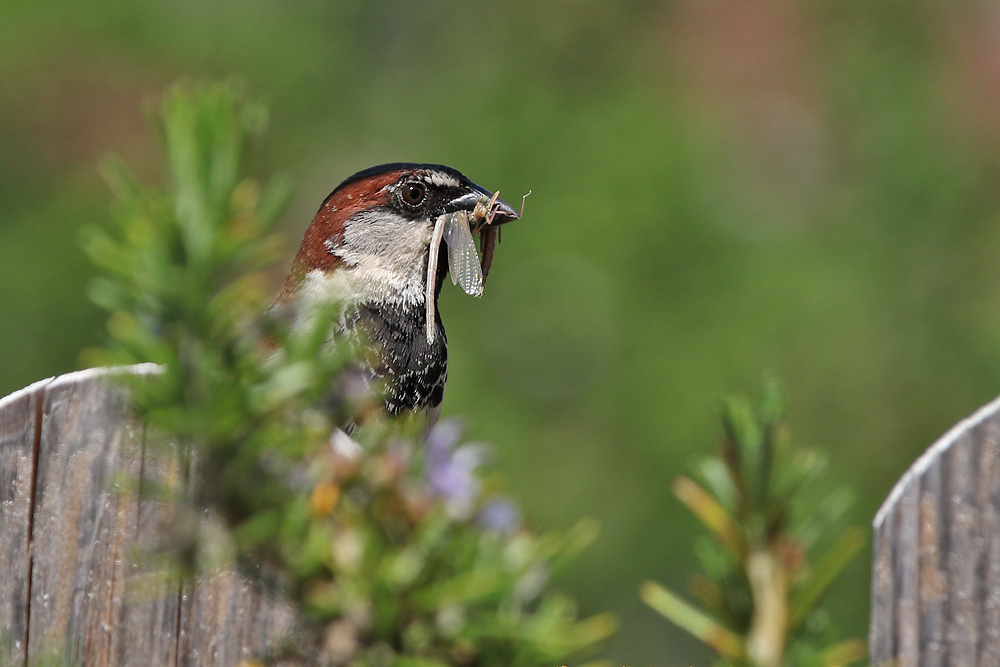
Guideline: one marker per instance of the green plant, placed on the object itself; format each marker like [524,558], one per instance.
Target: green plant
[761,586]
[393,549]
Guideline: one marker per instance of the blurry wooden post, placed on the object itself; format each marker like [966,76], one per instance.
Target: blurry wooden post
[72,465]
[936,570]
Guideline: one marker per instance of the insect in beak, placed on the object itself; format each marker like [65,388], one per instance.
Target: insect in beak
[495,213]
[479,211]
[483,206]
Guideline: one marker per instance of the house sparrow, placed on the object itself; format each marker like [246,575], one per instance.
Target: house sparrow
[375,248]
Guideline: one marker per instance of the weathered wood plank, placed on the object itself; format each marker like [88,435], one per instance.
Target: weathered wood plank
[224,622]
[84,520]
[962,631]
[77,518]
[19,416]
[936,574]
[883,640]
[907,612]
[932,496]
[152,603]
[223,619]
[988,499]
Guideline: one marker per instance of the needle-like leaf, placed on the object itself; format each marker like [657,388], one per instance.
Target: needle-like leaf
[686,617]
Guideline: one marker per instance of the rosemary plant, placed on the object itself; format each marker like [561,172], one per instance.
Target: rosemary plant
[762,580]
[393,550]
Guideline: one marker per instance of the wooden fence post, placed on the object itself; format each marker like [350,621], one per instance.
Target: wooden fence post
[69,526]
[936,569]
[72,463]
[20,414]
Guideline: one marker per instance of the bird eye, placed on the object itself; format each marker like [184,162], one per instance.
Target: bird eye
[413,193]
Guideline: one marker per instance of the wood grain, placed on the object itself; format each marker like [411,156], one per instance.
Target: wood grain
[85,519]
[19,424]
[224,621]
[152,613]
[936,569]
[78,521]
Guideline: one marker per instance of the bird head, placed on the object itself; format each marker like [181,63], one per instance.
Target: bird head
[371,239]
[381,245]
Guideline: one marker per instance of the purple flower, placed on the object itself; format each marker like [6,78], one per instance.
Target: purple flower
[500,515]
[451,472]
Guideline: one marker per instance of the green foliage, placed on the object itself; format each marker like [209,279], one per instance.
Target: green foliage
[393,550]
[718,187]
[762,581]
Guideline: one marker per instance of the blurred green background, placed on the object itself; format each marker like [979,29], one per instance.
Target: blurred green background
[721,188]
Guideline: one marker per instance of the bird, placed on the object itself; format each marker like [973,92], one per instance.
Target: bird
[374,247]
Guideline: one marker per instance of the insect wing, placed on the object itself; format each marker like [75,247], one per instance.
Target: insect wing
[463,261]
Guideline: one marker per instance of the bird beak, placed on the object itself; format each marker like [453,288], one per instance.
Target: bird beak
[502,212]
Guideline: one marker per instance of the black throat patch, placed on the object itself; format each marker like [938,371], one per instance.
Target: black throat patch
[413,370]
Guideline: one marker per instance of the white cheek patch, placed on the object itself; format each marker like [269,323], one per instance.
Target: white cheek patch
[385,257]
[463,260]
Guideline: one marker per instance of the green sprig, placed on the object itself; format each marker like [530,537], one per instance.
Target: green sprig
[361,545]
[760,594]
